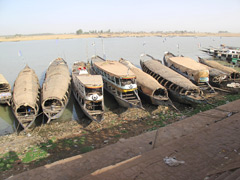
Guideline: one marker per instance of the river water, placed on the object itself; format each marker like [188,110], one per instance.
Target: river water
[38,54]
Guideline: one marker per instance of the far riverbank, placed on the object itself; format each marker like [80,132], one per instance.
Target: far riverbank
[16,38]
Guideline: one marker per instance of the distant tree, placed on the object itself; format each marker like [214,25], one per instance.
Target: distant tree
[80,31]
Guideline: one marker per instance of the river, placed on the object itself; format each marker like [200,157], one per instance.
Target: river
[38,54]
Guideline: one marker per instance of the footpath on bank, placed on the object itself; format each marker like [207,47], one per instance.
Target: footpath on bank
[207,146]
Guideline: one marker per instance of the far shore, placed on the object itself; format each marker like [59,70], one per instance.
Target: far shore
[17,38]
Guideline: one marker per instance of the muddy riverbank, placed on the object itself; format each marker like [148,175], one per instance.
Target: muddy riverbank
[61,139]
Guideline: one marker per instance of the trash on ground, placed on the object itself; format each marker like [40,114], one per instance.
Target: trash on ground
[171,161]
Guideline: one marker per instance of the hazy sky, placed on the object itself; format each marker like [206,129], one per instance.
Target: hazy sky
[67,16]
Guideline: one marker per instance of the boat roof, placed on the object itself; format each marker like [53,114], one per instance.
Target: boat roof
[187,63]
[146,81]
[169,74]
[91,80]
[216,65]
[3,80]
[57,80]
[115,68]
[26,88]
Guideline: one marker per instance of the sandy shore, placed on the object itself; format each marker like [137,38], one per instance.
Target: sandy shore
[111,35]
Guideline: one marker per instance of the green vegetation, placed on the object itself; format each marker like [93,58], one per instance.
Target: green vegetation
[7,160]
[205,107]
[42,151]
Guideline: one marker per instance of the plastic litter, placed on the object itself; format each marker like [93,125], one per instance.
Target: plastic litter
[171,161]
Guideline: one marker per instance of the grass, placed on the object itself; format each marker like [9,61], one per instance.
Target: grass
[7,160]
[41,151]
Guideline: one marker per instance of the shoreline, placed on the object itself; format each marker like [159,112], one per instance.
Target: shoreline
[17,38]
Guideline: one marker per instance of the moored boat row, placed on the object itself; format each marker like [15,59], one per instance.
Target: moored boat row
[180,78]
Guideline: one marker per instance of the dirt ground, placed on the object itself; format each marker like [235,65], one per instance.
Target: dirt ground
[60,139]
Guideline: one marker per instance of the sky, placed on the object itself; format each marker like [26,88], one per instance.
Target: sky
[67,16]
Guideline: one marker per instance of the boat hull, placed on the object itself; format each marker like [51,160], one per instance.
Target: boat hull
[152,100]
[123,102]
[5,98]
[100,115]
[185,99]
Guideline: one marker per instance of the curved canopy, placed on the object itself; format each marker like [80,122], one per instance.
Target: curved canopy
[57,80]
[26,88]
[169,74]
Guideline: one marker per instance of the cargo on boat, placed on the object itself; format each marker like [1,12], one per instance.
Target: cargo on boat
[148,87]
[179,87]
[56,89]
[88,91]
[5,91]
[26,97]
[187,67]
[222,76]
[118,80]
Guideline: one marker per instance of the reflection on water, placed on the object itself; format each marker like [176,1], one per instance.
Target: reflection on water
[38,55]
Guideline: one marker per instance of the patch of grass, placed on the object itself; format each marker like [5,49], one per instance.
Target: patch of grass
[35,153]
[7,160]
[159,123]
[117,136]
[152,129]
[124,131]
[86,149]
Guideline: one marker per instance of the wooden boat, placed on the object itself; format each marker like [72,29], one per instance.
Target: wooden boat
[118,81]
[88,91]
[56,89]
[227,53]
[26,97]
[221,76]
[148,87]
[5,91]
[187,67]
[179,87]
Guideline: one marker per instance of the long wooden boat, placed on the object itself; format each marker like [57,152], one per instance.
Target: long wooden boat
[222,76]
[56,89]
[118,81]
[5,91]
[187,67]
[180,88]
[88,91]
[227,53]
[26,97]
[148,87]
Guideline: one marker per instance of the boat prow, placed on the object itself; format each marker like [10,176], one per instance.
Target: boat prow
[88,91]
[26,97]
[56,89]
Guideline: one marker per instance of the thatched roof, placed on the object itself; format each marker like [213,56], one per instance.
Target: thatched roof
[26,88]
[114,68]
[147,83]
[218,66]
[185,64]
[57,80]
[169,74]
